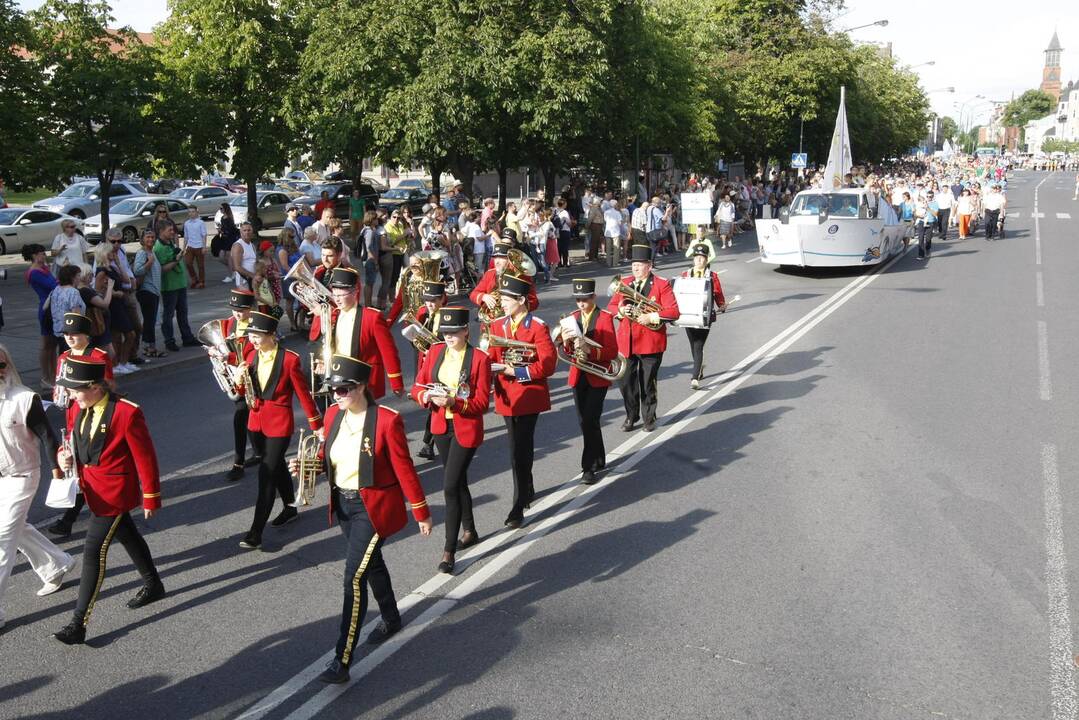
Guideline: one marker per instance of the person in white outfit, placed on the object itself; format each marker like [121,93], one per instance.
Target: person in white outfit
[24,424]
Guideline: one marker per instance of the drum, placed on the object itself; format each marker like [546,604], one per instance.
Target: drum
[695,302]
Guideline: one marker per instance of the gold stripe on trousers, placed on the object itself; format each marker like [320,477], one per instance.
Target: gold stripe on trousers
[357,579]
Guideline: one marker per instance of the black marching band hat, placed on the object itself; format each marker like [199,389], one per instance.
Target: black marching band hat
[702,250]
[76,324]
[342,277]
[510,235]
[502,248]
[79,373]
[513,285]
[262,323]
[640,253]
[346,370]
[583,288]
[241,299]
[452,319]
[434,290]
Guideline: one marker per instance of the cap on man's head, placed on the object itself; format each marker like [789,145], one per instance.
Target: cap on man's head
[640,253]
[514,286]
[345,278]
[241,299]
[79,373]
[76,324]
[583,287]
[509,234]
[434,290]
[502,249]
[701,249]
[262,323]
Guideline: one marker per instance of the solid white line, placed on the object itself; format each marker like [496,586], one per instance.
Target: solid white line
[323,698]
[1039,288]
[1061,663]
[1037,226]
[756,259]
[1044,386]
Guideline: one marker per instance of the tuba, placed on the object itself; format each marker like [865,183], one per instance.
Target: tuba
[317,299]
[582,345]
[516,352]
[308,467]
[639,304]
[417,333]
[212,337]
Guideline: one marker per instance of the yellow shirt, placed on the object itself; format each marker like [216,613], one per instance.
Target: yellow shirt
[97,410]
[514,324]
[436,316]
[586,317]
[342,331]
[266,361]
[699,273]
[345,451]
[241,327]
[449,373]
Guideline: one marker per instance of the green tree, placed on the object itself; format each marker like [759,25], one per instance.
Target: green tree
[98,94]
[1031,105]
[1051,145]
[20,110]
[237,57]
[949,128]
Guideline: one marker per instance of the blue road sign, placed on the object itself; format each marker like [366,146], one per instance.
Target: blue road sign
[799,160]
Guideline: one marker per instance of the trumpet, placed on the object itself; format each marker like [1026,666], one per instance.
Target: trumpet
[639,304]
[67,442]
[308,467]
[582,346]
[440,390]
[417,333]
[61,398]
[515,352]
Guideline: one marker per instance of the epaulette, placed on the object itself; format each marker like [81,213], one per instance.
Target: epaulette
[125,400]
[538,319]
[389,409]
[292,352]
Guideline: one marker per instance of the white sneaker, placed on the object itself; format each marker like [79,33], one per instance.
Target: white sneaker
[120,370]
[131,368]
[53,585]
[228,279]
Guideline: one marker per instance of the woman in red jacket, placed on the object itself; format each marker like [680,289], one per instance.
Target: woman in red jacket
[697,337]
[461,375]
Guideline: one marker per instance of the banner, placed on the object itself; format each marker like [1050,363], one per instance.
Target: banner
[839,157]
[696,208]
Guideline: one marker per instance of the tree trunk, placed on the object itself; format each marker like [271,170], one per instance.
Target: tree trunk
[549,178]
[503,174]
[252,204]
[437,167]
[104,182]
[464,168]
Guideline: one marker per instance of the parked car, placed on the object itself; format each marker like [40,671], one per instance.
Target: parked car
[21,226]
[162,186]
[207,198]
[300,187]
[134,214]
[83,199]
[378,184]
[340,194]
[273,185]
[233,185]
[414,198]
[418,183]
[271,206]
[304,176]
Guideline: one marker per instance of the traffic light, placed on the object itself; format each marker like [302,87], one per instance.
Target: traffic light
[1003,148]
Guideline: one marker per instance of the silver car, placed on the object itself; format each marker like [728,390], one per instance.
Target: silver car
[271,208]
[21,226]
[83,199]
[207,198]
[134,214]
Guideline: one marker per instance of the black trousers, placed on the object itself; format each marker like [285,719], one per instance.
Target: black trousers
[273,477]
[455,461]
[427,436]
[697,338]
[589,403]
[521,431]
[639,386]
[943,216]
[991,219]
[239,430]
[100,532]
[925,238]
[363,565]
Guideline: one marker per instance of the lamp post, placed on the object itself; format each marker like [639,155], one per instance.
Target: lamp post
[930,62]
[881,23]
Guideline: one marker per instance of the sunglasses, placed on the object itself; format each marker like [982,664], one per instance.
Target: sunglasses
[116,242]
[162,212]
[343,390]
[3,365]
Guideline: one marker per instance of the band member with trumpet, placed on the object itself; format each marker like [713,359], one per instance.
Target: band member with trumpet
[370,473]
[506,259]
[277,376]
[77,336]
[234,331]
[588,335]
[454,384]
[643,302]
[523,357]
[359,332]
[428,318]
[114,455]
[702,257]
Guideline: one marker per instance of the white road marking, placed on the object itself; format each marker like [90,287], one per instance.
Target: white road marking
[1037,226]
[1039,288]
[1037,215]
[1044,386]
[1064,216]
[1061,663]
[756,259]
[727,383]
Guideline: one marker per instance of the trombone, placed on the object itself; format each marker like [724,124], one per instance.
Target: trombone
[639,304]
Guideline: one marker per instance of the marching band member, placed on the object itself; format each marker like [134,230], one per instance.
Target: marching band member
[117,467]
[456,420]
[234,327]
[643,340]
[277,376]
[589,391]
[521,391]
[481,294]
[22,416]
[434,297]
[702,256]
[415,270]
[360,332]
[77,336]
[370,473]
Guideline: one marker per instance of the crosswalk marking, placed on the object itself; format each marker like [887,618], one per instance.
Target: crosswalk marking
[1037,215]
[1064,216]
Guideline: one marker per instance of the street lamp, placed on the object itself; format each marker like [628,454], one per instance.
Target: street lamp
[881,23]
[948,89]
[931,62]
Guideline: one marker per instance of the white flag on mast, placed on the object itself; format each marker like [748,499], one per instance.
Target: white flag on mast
[839,160]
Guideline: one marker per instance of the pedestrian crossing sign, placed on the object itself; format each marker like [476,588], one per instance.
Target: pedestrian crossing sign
[799,160]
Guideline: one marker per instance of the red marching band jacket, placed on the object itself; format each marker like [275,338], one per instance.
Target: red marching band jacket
[272,414]
[601,329]
[122,473]
[717,289]
[228,327]
[636,339]
[467,413]
[527,392]
[394,477]
[489,282]
[373,344]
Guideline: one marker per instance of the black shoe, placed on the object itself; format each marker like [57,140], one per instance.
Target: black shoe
[383,632]
[514,521]
[253,462]
[335,673]
[59,529]
[627,426]
[251,541]
[149,593]
[235,473]
[191,343]
[171,346]
[588,478]
[446,566]
[470,538]
[74,633]
[427,452]
[649,425]
[285,517]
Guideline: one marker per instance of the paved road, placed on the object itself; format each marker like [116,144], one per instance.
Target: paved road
[866,514]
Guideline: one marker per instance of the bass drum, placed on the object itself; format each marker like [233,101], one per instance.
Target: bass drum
[696,304]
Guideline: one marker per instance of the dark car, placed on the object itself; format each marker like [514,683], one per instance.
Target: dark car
[414,198]
[340,193]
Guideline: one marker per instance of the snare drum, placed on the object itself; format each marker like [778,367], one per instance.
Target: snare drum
[696,304]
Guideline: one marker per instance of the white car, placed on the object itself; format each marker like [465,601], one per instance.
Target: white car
[207,198]
[21,226]
[271,207]
[134,214]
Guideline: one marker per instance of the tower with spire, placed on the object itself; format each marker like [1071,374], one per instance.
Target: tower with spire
[1051,71]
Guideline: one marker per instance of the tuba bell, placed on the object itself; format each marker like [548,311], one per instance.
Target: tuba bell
[307,289]
[430,271]
[582,345]
[212,337]
[417,333]
[639,306]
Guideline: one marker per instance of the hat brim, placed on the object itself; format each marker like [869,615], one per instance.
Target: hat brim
[451,328]
[591,293]
[336,381]
[76,384]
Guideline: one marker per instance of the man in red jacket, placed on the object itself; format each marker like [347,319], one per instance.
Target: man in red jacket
[642,339]
[482,295]
[521,391]
[589,390]
[118,472]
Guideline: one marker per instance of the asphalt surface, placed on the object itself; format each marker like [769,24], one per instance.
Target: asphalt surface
[869,518]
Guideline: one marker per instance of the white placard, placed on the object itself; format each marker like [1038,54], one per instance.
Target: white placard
[696,208]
